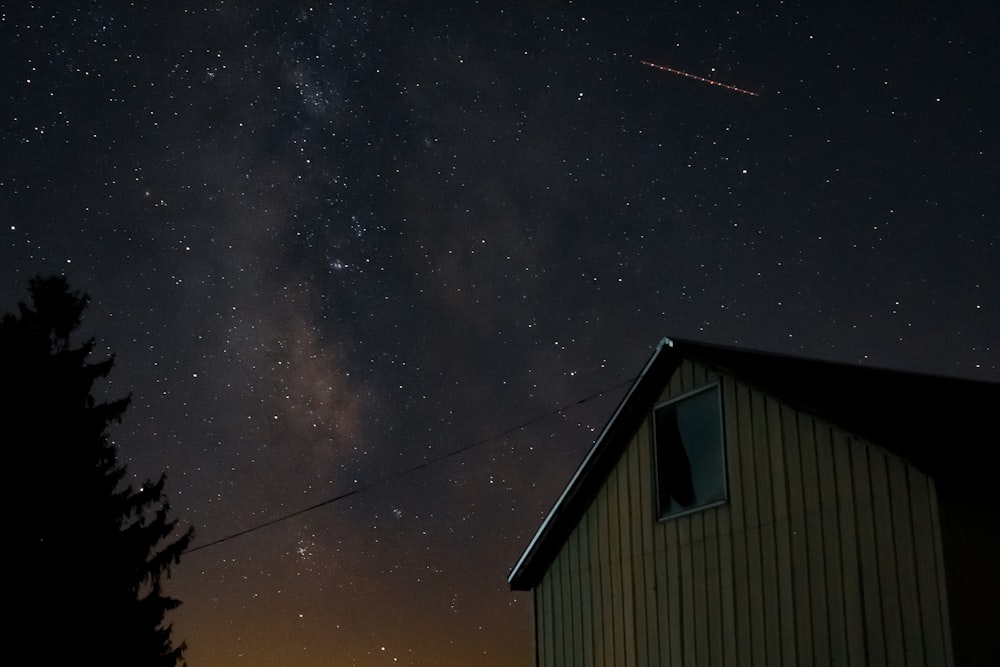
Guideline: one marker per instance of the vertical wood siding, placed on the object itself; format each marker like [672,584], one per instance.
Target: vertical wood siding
[826,553]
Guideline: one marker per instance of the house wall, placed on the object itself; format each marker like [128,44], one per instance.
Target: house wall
[827,552]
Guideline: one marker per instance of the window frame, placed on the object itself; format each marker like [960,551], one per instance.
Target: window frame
[662,515]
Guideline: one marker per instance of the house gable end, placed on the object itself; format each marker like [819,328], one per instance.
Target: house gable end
[813,557]
[907,452]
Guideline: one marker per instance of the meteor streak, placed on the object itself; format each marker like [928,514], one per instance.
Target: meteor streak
[700,78]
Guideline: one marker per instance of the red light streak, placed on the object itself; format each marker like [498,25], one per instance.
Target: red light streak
[700,78]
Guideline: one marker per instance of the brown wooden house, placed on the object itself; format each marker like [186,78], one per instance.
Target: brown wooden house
[742,508]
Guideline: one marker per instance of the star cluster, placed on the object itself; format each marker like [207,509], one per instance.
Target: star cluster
[345,249]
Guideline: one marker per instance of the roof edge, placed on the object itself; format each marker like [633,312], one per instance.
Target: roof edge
[523,576]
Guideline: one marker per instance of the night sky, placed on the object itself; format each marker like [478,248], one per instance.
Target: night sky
[343,243]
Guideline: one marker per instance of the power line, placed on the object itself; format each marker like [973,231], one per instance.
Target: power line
[410,470]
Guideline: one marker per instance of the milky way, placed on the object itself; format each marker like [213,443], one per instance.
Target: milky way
[330,243]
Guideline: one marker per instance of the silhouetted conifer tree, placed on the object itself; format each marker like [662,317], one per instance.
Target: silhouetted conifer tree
[86,551]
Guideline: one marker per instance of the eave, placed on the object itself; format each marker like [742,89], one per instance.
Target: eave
[592,473]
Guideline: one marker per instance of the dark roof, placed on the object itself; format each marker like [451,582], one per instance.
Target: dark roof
[942,425]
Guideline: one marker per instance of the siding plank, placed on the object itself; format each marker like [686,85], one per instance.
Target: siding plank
[596,574]
[727,596]
[868,556]
[942,593]
[615,566]
[782,530]
[713,594]
[607,595]
[628,571]
[829,507]
[738,494]
[929,574]
[848,540]
[546,632]
[584,581]
[675,637]
[726,561]
[649,555]
[638,549]
[576,637]
[814,543]
[909,599]
[686,589]
[664,618]
[798,533]
[568,614]
[766,520]
[885,550]
[699,590]
[755,573]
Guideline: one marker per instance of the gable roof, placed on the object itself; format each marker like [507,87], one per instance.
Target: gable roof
[939,424]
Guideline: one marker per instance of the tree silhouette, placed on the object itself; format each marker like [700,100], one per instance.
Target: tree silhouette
[88,551]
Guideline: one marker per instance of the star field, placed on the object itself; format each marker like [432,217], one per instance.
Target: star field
[330,242]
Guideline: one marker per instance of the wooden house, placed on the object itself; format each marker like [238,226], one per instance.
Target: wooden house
[743,508]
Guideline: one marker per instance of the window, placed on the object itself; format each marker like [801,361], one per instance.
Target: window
[690,454]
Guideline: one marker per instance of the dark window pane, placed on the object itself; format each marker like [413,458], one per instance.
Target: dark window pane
[690,461]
